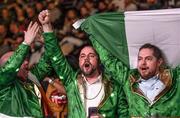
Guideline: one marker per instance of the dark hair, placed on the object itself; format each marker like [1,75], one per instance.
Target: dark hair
[90,45]
[156,51]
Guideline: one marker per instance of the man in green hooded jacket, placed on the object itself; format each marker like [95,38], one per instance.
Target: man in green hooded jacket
[91,93]
[17,94]
[151,89]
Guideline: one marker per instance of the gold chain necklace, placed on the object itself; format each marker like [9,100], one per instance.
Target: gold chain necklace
[86,91]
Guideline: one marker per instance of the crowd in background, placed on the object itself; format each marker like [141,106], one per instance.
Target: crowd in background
[16,14]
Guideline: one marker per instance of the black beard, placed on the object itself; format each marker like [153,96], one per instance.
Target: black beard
[88,64]
[88,73]
[148,76]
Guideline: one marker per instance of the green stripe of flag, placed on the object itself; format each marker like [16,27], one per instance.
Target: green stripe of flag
[123,34]
[109,30]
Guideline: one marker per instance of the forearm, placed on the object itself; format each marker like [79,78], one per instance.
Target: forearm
[58,60]
[112,65]
[11,67]
[15,61]
[47,28]
[122,108]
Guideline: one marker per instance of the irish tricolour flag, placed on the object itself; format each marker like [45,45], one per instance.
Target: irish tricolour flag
[123,33]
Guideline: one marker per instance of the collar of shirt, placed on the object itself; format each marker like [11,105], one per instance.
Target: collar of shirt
[99,80]
[149,83]
[151,87]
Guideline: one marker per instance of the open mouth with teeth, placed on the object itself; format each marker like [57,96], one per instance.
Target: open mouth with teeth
[144,68]
[86,65]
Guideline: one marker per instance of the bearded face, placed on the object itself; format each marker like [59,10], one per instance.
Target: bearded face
[88,61]
[148,65]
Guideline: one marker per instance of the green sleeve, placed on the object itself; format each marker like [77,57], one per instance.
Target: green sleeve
[175,73]
[122,105]
[43,68]
[58,60]
[112,65]
[13,64]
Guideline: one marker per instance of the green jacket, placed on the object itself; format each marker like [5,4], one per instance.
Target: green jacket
[166,104]
[114,103]
[18,98]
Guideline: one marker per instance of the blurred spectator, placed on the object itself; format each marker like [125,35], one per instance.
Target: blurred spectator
[178,4]
[18,40]
[154,4]
[84,12]
[55,12]
[89,4]
[102,6]
[3,32]
[70,17]
[14,43]
[6,16]
[4,49]
[129,5]
[15,28]
[39,5]
[30,12]
[124,5]
[20,15]
[72,39]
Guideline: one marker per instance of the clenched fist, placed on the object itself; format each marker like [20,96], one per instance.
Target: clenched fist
[44,17]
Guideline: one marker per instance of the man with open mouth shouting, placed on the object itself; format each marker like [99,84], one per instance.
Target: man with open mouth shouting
[88,61]
[91,93]
[153,88]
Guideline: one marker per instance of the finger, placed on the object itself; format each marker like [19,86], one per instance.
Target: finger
[44,13]
[41,16]
[36,30]
[30,25]
[47,12]
[34,27]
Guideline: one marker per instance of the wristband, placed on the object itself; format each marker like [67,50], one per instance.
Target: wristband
[24,43]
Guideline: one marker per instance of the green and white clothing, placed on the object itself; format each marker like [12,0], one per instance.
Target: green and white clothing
[17,98]
[165,104]
[113,105]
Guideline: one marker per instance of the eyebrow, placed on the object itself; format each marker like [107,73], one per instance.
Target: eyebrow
[88,54]
[145,57]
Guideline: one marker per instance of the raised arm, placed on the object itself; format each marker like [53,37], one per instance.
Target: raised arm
[58,60]
[122,104]
[11,67]
[112,65]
